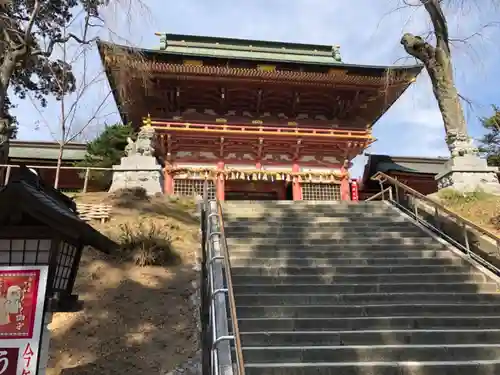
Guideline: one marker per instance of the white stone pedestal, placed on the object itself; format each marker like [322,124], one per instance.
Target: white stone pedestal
[467,174]
[138,171]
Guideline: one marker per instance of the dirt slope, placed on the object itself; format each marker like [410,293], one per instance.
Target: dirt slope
[135,320]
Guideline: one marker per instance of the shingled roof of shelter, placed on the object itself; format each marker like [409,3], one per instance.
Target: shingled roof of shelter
[28,193]
[416,165]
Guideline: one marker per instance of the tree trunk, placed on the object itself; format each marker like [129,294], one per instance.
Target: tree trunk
[6,72]
[437,61]
[441,73]
[58,167]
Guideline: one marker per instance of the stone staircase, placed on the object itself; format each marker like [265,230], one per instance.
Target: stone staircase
[355,289]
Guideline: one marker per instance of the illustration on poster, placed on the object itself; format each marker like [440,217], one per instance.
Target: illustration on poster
[10,304]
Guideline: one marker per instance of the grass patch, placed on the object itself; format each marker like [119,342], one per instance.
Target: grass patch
[147,244]
[479,207]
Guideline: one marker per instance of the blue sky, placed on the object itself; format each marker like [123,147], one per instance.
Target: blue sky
[368,32]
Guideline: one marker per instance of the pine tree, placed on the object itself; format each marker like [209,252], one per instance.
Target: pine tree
[106,151]
[490,142]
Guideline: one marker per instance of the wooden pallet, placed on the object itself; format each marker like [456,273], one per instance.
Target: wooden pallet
[88,212]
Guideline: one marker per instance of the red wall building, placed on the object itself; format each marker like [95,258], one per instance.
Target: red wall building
[36,153]
[259,120]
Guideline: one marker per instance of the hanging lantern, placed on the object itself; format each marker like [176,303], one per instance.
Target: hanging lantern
[264,177]
[310,178]
[254,176]
[288,178]
[278,177]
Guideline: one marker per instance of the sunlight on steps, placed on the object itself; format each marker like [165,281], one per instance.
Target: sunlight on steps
[355,289]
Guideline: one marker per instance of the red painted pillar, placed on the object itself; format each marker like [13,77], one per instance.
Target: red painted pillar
[296,188]
[345,190]
[258,165]
[168,182]
[219,188]
[354,190]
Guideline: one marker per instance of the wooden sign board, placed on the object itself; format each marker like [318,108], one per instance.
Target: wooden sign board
[22,299]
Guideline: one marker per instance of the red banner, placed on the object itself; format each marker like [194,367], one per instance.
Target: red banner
[354,190]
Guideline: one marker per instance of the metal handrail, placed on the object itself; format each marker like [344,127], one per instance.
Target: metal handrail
[460,220]
[379,194]
[216,313]
[230,294]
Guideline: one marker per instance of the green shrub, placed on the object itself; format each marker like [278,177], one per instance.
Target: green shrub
[147,245]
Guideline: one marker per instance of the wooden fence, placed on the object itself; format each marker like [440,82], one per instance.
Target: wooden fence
[89,212]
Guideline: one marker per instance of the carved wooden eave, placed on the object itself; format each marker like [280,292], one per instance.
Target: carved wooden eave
[369,90]
[340,76]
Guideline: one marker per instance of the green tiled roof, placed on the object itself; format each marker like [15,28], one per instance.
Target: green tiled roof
[230,48]
[45,151]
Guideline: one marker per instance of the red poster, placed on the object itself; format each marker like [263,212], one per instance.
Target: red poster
[18,301]
[8,361]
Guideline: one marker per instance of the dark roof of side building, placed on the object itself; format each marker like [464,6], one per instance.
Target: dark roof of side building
[408,164]
[44,150]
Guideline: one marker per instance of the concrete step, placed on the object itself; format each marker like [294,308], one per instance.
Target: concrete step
[382,239]
[303,276]
[452,321]
[301,203]
[359,299]
[441,255]
[334,247]
[381,310]
[386,337]
[489,367]
[286,268]
[293,230]
[306,215]
[301,234]
[425,285]
[307,208]
[320,221]
[379,353]
[261,260]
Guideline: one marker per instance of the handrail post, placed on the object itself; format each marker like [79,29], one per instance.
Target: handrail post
[437,222]
[86,180]
[382,189]
[7,174]
[466,238]
[390,194]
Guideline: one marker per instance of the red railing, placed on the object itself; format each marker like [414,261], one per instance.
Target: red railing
[362,135]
